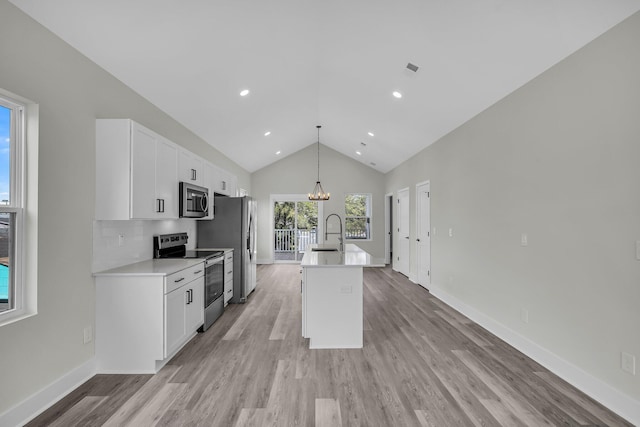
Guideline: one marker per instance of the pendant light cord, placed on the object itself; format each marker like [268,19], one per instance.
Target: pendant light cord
[318,152]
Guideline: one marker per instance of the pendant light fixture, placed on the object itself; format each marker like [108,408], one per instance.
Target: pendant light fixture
[318,192]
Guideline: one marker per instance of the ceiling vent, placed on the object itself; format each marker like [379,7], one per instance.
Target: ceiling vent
[412,67]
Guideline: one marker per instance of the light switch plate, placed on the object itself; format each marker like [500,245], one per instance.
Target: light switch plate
[524,241]
[628,363]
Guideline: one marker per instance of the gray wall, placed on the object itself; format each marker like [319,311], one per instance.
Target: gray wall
[72,92]
[297,173]
[559,160]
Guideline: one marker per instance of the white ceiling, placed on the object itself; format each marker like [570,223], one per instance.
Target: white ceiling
[328,62]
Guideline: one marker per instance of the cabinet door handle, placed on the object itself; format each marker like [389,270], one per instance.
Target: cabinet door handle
[194,174]
[179,280]
[224,185]
[197,272]
[160,205]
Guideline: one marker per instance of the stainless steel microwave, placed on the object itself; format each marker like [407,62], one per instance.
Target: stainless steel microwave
[194,201]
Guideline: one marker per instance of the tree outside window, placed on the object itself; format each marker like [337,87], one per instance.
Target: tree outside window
[357,216]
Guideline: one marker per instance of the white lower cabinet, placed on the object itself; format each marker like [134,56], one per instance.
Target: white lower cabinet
[184,313]
[175,320]
[142,321]
[228,277]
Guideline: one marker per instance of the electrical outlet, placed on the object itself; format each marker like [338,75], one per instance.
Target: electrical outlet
[346,289]
[88,335]
[628,363]
[451,232]
[524,239]
[524,315]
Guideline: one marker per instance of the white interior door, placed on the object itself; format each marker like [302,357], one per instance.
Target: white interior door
[423,234]
[388,228]
[401,254]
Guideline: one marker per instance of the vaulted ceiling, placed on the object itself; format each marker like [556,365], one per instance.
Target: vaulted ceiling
[330,62]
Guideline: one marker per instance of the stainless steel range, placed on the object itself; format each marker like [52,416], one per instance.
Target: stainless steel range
[174,246]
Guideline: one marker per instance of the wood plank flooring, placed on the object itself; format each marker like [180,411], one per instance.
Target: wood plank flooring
[423,364]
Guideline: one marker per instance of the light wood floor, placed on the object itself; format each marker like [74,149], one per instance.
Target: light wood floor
[423,364]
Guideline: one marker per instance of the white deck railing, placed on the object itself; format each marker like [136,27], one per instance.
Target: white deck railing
[292,240]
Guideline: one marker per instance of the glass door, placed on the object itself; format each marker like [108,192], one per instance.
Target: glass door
[295,225]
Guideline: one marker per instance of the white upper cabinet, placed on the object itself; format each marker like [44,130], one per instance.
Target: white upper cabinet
[224,182]
[136,172]
[191,168]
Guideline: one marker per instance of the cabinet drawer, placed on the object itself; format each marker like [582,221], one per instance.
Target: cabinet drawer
[228,266]
[182,277]
[228,290]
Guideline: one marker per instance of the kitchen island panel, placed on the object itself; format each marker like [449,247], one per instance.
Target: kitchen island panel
[334,307]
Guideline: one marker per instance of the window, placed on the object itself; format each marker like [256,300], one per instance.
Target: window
[357,216]
[12,144]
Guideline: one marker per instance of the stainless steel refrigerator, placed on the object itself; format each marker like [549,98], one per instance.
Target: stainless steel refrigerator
[234,226]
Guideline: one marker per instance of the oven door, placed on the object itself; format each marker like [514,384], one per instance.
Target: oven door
[214,280]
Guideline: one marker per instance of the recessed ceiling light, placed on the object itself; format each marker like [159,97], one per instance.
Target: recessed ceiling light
[267,133]
[370,133]
[278,152]
[244,92]
[358,153]
[397,94]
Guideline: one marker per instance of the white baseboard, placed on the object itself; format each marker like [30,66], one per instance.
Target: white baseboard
[264,261]
[620,403]
[33,406]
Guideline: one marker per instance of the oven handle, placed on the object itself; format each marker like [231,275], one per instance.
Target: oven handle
[212,261]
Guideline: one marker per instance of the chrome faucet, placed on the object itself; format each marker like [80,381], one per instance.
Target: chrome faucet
[326,230]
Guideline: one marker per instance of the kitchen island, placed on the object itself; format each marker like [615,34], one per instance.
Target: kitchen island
[332,296]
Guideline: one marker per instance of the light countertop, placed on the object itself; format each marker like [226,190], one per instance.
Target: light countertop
[352,256]
[225,250]
[157,267]
[152,267]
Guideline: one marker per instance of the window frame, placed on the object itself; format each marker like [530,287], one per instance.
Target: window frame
[23,156]
[368,217]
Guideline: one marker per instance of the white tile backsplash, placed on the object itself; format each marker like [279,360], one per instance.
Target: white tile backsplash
[137,240]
